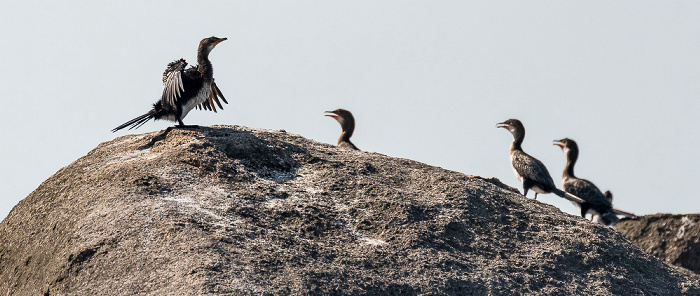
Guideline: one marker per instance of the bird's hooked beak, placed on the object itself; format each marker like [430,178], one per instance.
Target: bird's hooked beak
[335,116]
[219,41]
[559,143]
[503,125]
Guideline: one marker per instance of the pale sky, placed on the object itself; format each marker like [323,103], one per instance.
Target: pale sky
[426,80]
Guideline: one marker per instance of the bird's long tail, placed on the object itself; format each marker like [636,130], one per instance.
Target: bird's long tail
[138,121]
[578,200]
[569,196]
[625,213]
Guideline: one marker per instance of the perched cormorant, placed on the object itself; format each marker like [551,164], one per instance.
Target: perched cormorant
[185,89]
[597,203]
[347,123]
[528,169]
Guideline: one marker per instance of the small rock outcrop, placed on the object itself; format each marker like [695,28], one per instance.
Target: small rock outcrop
[674,239]
[228,210]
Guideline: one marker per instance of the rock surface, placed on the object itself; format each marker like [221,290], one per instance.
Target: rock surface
[236,211]
[674,239]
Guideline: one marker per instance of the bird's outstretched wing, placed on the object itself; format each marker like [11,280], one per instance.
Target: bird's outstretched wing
[214,95]
[172,79]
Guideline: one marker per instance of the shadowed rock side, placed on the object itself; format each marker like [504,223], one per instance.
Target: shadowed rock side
[235,211]
[674,239]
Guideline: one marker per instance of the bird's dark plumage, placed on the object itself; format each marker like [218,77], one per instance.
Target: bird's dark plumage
[347,123]
[595,201]
[185,89]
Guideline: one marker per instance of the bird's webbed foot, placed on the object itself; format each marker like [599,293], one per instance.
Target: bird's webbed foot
[182,125]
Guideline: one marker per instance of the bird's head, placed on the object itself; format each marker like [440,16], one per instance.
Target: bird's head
[564,143]
[512,125]
[341,115]
[207,44]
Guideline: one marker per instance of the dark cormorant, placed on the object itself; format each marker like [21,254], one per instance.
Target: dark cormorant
[347,123]
[597,203]
[185,89]
[528,169]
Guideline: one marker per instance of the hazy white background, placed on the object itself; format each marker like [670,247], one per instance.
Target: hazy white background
[426,80]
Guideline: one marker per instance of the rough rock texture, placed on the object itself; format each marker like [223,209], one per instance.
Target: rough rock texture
[230,210]
[674,239]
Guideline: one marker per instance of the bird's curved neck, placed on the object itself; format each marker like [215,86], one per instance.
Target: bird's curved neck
[348,126]
[571,157]
[346,134]
[518,137]
[204,65]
